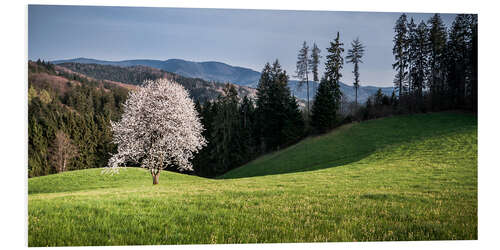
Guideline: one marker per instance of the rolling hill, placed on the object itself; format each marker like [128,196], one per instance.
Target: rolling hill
[199,89]
[411,177]
[209,71]
[221,72]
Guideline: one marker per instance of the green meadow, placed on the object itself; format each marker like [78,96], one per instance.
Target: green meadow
[411,177]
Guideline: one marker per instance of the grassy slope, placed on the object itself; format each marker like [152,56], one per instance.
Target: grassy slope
[400,178]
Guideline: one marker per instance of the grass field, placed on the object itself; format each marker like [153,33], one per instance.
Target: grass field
[400,178]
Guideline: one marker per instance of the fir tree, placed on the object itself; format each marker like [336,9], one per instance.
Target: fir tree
[303,69]
[458,59]
[246,130]
[334,61]
[324,107]
[400,51]
[328,95]
[473,51]
[314,61]
[437,64]
[279,120]
[421,58]
[225,131]
[411,53]
[354,56]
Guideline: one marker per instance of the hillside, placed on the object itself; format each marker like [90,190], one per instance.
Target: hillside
[410,177]
[79,106]
[135,75]
[353,142]
[221,72]
[209,71]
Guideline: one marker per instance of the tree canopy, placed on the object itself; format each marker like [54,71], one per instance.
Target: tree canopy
[159,128]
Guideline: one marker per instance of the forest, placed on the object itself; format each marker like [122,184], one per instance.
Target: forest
[435,69]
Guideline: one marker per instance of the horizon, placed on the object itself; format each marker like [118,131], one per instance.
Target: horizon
[213,35]
[140,59]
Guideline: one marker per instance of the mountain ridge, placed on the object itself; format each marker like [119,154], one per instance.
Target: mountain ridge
[198,88]
[208,70]
[223,72]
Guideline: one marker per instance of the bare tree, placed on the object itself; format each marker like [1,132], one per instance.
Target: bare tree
[62,151]
[159,128]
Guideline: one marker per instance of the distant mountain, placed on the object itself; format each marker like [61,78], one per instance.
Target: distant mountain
[210,71]
[221,72]
[199,89]
[347,90]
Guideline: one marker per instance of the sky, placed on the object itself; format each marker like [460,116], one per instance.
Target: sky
[246,38]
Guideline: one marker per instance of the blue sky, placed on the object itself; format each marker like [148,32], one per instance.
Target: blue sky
[247,38]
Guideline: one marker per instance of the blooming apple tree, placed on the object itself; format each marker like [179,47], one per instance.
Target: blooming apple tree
[159,127]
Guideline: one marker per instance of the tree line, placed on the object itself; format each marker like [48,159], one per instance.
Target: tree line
[436,67]
[238,131]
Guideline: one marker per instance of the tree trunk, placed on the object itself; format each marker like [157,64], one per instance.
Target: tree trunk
[356,99]
[156,176]
[308,112]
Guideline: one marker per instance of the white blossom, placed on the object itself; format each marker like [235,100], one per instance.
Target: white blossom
[159,127]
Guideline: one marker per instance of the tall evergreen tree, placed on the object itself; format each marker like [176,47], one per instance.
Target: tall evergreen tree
[334,61]
[473,57]
[303,69]
[314,61]
[247,130]
[437,52]
[354,56]
[279,120]
[225,128]
[325,106]
[411,53]
[458,59]
[400,51]
[378,97]
[328,96]
[204,163]
[421,58]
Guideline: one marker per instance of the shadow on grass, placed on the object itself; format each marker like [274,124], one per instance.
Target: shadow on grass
[353,142]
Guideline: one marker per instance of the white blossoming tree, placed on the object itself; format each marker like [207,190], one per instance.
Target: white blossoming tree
[159,128]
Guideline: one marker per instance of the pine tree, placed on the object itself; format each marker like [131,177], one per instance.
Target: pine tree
[473,51]
[400,51]
[37,150]
[334,61]
[324,109]
[437,53]
[204,163]
[411,53]
[279,119]
[354,56]
[328,96]
[421,58]
[457,55]
[246,131]
[314,61]
[225,127]
[378,97]
[303,69]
